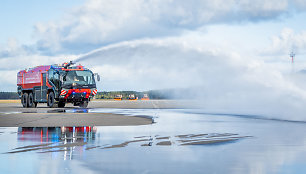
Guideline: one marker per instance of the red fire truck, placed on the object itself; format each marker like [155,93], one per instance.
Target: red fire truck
[56,85]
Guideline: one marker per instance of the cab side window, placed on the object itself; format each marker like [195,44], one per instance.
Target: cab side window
[56,79]
[51,75]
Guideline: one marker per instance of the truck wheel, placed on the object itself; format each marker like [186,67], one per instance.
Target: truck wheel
[61,104]
[51,100]
[24,100]
[84,104]
[31,103]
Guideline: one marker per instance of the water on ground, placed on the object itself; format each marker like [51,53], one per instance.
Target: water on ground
[179,141]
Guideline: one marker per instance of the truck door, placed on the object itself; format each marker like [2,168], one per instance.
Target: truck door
[44,87]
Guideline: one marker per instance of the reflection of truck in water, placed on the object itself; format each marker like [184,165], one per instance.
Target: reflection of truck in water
[56,85]
[57,134]
[57,140]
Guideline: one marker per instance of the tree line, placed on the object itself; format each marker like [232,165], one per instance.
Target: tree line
[9,95]
[153,94]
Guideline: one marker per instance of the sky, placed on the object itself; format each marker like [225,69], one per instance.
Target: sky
[229,52]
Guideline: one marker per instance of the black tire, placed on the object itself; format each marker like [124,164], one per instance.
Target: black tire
[24,100]
[61,104]
[84,104]
[31,103]
[51,100]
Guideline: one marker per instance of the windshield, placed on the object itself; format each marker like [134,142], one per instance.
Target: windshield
[78,78]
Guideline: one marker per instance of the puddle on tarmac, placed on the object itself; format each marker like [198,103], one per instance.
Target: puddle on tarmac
[57,139]
[179,142]
[75,110]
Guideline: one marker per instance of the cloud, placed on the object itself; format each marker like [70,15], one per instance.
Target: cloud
[288,40]
[13,48]
[299,4]
[104,22]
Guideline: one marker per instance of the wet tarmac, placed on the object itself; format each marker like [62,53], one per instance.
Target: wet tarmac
[16,116]
[178,141]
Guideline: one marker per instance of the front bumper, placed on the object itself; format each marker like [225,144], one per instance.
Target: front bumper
[74,95]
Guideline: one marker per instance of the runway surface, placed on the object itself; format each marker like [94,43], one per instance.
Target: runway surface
[169,137]
[14,115]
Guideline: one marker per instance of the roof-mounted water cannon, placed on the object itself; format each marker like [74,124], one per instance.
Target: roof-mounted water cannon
[66,65]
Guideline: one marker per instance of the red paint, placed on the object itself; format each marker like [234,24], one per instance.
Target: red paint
[33,77]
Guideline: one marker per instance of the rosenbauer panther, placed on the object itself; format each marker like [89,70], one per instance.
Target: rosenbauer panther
[56,85]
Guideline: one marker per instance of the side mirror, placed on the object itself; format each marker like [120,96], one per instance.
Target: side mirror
[98,76]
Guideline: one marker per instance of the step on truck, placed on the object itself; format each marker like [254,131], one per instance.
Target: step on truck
[56,85]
